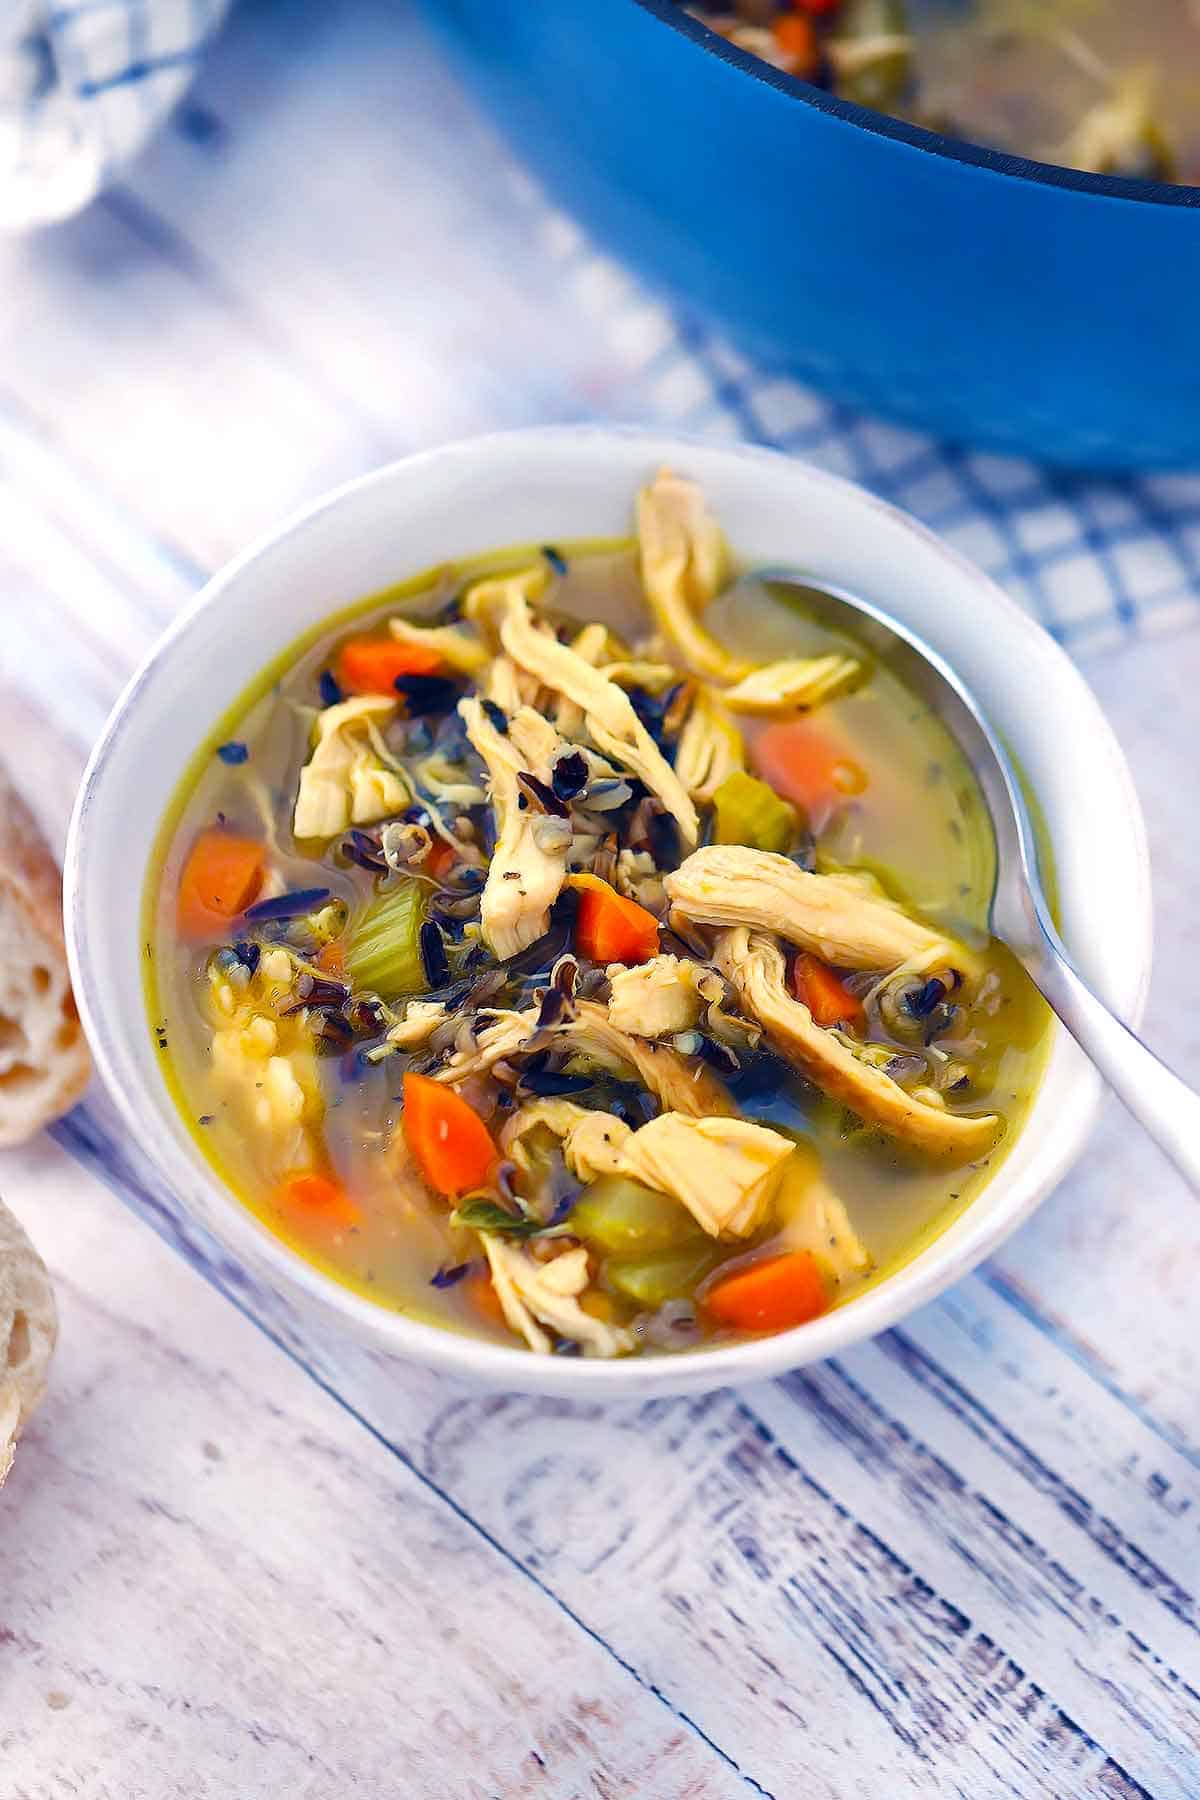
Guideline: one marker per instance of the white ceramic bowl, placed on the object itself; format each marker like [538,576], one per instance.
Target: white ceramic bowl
[546,486]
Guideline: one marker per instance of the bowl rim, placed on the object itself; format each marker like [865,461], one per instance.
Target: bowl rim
[146,1110]
[919,137]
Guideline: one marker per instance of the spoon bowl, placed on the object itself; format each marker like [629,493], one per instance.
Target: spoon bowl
[1019,913]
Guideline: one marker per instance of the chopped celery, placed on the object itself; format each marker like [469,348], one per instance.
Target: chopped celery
[621,1215]
[384,954]
[670,1275]
[751,813]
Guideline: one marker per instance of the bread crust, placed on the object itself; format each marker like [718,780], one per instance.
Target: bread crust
[35,993]
[28,1332]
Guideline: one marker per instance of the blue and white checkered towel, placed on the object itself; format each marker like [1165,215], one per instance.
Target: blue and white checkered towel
[83,85]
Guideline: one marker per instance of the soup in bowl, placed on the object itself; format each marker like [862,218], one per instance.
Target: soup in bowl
[570,957]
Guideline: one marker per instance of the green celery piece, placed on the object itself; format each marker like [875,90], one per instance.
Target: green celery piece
[751,813]
[671,1275]
[384,955]
[621,1215]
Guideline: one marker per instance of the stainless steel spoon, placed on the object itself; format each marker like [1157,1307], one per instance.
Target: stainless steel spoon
[1019,912]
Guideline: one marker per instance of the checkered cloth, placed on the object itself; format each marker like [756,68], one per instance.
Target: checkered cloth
[82,87]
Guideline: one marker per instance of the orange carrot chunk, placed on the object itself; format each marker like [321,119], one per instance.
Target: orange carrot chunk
[611,928]
[482,1296]
[441,857]
[826,996]
[797,38]
[331,959]
[317,1197]
[220,879]
[772,1295]
[805,765]
[374,665]
[452,1145]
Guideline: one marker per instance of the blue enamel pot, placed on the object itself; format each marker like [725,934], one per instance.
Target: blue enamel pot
[1000,302]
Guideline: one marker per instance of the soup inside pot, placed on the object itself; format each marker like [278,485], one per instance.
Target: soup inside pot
[1091,84]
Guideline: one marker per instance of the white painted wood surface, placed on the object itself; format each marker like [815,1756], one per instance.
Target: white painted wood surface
[962,1560]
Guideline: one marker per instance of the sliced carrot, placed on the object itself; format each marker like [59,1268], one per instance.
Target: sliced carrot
[808,766]
[826,996]
[440,857]
[483,1297]
[331,958]
[611,928]
[796,37]
[317,1197]
[220,879]
[374,665]
[452,1145]
[772,1295]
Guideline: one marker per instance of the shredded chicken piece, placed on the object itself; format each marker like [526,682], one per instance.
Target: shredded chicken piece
[526,871]
[421,1019]
[755,966]
[608,713]
[347,780]
[797,682]
[640,672]
[683,563]
[724,1171]
[487,601]
[835,917]
[503,1035]
[710,747]
[459,649]
[593,1146]
[536,740]
[592,645]
[507,686]
[814,1218]
[443,780]
[533,1294]
[662,996]
[591,1141]
[678,1083]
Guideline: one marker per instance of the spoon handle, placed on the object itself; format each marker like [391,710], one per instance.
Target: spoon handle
[1163,1104]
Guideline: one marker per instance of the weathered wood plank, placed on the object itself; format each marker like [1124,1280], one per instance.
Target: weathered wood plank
[116,351]
[930,1469]
[736,1557]
[212,1580]
[639,1519]
[962,1561]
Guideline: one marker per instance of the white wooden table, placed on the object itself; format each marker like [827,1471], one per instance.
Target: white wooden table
[961,1560]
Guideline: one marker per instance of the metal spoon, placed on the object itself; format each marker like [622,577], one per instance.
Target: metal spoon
[1019,912]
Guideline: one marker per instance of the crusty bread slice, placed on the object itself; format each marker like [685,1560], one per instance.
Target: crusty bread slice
[28,1332]
[44,1064]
